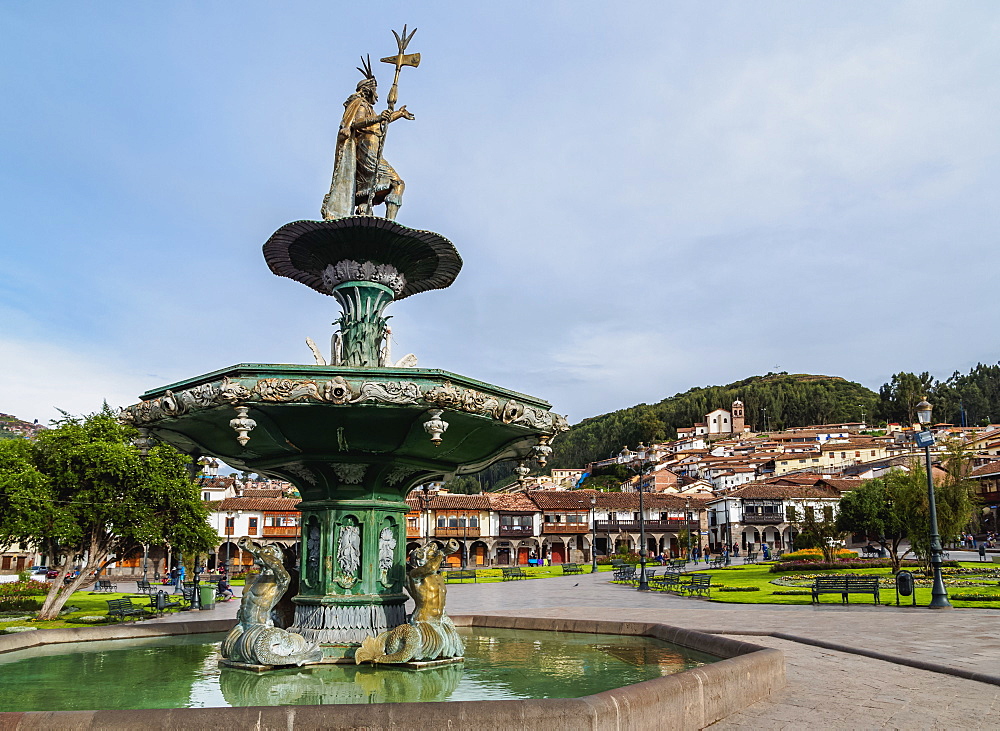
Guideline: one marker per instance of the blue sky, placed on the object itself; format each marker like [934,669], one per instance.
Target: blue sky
[647,196]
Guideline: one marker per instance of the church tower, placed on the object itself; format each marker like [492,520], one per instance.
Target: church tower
[738,422]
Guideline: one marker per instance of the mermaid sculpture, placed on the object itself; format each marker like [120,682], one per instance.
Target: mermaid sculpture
[255,640]
[430,634]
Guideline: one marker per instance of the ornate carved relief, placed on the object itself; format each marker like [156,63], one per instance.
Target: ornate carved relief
[301,471]
[386,550]
[350,474]
[397,474]
[393,392]
[349,555]
[349,270]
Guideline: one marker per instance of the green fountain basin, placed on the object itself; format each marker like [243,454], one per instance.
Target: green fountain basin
[560,654]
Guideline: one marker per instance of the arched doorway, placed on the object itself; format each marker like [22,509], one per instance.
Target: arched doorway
[503,553]
[477,554]
[558,552]
[750,535]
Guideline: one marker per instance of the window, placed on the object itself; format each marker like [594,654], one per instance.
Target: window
[873,453]
[230,525]
[857,454]
[252,527]
[206,496]
[442,521]
[474,521]
[828,513]
[810,512]
[790,513]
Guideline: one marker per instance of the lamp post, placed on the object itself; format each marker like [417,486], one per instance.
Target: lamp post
[593,534]
[229,539]
[687,527]
[643,583]
[939,595]
[427,513]
[145,562]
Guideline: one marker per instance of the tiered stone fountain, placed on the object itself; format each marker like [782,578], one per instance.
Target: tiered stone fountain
[355,435]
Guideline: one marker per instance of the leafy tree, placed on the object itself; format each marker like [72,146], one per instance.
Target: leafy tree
[685,540]
[463,485]
[84,496]
[817,529]
[880,509]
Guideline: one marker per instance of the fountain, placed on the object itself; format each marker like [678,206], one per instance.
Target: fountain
[353,432]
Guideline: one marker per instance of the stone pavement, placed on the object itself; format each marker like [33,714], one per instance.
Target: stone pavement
[825,686]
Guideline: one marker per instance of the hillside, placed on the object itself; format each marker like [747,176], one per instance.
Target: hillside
[790,400]
[13,428]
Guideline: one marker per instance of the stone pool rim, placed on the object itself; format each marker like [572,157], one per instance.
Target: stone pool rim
[690,699]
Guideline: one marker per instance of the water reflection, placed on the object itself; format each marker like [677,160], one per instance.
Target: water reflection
[332,684]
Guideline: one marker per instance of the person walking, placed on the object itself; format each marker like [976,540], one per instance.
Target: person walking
[982,550]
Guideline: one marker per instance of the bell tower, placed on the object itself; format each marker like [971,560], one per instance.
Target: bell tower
[738,422]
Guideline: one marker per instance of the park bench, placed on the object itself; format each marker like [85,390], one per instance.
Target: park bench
[462,575]
[572,568]
[717,563]
[143,587]
[751,557]
[844,585]
[105,585]
[618,563]
[160,603]
[625,573]
[698,584]
[676,564]
[870,552]
[514,573]
[667,582]
[124,608]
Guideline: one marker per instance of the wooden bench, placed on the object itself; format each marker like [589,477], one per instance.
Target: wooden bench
[105,585]
[676,564]
[845,585]
[572,568]
[513,573]
[143,587]
[717,563]
[751,557]
[459,576]
[698,584]
[124,608]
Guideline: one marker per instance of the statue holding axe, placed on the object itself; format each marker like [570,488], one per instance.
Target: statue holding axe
[362,179]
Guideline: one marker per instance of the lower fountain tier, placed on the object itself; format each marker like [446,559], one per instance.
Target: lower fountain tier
[340,627]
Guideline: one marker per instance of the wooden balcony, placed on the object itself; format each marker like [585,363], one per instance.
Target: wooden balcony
[762,519]
[632,526]
[564,528]
[281,531]
[413,532]
[456,532]
[516,531]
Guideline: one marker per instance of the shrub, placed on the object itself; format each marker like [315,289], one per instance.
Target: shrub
[19,604]
[815,554]
[877,563]
[738,588]
[793,592]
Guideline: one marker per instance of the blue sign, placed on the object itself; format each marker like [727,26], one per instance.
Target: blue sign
[924,439]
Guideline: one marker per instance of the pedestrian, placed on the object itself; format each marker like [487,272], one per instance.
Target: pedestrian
[173,576]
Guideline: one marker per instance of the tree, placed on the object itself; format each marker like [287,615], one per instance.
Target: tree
[878,509]
[84,496]
[463,485]
[817,528]
[685,540]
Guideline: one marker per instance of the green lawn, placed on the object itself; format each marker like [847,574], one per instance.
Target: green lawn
[760,576]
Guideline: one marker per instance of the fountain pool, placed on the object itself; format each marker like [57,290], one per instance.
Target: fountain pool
[184,672]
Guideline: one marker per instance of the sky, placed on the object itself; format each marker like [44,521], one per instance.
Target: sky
[648,196]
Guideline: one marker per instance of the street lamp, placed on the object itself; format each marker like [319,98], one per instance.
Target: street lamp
[427,514]
[939,595]
[643,583]
[687,527]
[593,534]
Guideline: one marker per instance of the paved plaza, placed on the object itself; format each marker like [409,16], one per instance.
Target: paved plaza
[833,678]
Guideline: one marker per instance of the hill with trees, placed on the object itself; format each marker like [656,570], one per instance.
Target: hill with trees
[781,399]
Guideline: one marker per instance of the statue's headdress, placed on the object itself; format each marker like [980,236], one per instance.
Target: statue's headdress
[366,69]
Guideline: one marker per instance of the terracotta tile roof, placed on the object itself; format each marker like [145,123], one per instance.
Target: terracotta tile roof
[774,492]
[511,502]
[990,468]
[562,500]
[454,501]
[260,503]
[264,493]
[217,483]
[651,501]
[842,484]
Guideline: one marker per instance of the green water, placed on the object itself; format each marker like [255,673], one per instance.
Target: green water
[183,672]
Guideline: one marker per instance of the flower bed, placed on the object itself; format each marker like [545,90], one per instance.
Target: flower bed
[874,563]
[976,597]
[20,595]
[815,554]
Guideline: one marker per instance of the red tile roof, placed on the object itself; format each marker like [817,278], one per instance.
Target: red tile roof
[455,501]
[774,492]
[286,504]
[511,502]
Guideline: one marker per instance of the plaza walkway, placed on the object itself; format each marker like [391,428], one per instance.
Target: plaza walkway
[833,680]
[827,687]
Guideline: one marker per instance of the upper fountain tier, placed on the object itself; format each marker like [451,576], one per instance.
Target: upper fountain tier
[325,254]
